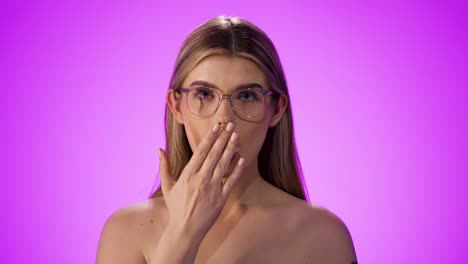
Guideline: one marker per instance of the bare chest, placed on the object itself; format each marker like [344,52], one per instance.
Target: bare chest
[258,245]
[251,240]
[271,233]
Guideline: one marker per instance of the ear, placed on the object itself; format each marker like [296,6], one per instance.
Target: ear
[174,100]
[278,110]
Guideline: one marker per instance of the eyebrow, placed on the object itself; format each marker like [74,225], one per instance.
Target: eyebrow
[239,87]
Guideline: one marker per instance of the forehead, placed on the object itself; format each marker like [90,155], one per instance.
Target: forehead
[226,72]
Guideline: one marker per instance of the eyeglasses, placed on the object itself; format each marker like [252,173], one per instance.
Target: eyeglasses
[205,101]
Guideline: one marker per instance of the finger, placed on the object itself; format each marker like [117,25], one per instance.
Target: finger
[165,174]
[233,163]
[231,167]
[233,178]
[215,152]
[225,160]
[204,147]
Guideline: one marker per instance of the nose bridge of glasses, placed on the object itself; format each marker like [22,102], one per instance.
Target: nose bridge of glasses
[221,99]
[225,96]
[224,112]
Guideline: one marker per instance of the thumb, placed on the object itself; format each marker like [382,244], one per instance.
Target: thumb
[165,172]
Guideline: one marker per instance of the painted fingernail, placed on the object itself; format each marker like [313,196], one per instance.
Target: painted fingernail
[241,161]
[234,136]
[216,128]
[230,127]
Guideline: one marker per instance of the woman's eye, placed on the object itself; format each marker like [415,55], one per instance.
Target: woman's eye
[203,93]
[247,96]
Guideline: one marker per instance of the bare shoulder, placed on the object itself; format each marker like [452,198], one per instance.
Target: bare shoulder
[326,237]
[318,234]
[126,231]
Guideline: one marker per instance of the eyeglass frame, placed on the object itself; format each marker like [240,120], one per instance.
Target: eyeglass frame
[228,96]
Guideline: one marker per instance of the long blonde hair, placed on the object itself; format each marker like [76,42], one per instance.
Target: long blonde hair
[278,162]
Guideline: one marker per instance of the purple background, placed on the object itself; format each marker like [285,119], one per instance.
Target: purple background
[379,100]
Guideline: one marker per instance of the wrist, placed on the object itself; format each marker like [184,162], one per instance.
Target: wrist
[176,245]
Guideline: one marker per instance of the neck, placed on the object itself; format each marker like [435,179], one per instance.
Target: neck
[245,192]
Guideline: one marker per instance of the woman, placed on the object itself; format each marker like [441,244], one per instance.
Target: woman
[231,187]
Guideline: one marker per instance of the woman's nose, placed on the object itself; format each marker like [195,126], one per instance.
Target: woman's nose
[225,113]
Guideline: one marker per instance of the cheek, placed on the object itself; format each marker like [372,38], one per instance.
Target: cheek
[252,141]
[196,132]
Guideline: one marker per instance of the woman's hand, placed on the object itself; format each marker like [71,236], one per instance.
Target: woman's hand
[197,198]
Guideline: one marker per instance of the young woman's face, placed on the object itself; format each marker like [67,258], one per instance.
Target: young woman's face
[226,74]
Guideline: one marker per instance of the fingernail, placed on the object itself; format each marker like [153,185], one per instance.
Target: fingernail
[216,128]
[159,153]
[229,127]
[234,136]
[241,161]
